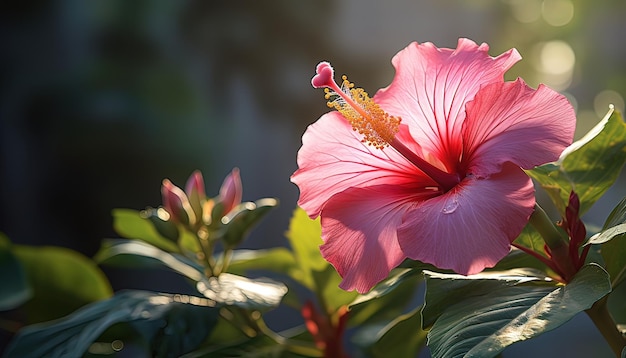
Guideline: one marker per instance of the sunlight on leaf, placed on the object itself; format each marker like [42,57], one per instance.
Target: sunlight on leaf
[607,235]
[240,291]
[484,316]
[112,248]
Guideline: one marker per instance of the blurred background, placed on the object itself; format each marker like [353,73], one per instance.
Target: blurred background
[102,100]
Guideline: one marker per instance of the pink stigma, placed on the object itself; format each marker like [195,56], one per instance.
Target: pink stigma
[324,74]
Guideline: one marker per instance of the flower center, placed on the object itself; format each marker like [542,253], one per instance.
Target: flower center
[378,128]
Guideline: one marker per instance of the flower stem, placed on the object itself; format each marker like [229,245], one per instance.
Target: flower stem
[601,317]
[558,245]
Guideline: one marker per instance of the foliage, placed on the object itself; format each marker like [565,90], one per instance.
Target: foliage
[70,309]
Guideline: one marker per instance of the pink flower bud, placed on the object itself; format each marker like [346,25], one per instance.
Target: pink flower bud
[231,191]
[176,203]
[195,193]
[195,185]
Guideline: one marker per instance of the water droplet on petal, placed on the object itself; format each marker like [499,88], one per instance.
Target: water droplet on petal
[450,206]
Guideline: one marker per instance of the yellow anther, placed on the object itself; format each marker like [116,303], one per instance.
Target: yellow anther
[366,117]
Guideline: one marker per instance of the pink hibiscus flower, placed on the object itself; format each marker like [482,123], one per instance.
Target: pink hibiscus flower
[431,167]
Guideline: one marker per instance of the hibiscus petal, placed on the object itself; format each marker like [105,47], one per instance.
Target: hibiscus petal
[332,159]
[359,230]
[432,86]
[470,227]
[513,122]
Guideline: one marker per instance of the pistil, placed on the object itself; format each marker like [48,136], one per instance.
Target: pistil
[378,128]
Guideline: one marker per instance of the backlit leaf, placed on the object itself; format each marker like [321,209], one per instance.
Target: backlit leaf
[62,281]
[589,166]
[131,225]
[305,237]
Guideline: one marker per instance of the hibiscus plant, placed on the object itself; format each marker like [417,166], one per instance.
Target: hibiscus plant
[417,231]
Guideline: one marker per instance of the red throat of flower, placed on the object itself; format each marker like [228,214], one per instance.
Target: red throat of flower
[378,128]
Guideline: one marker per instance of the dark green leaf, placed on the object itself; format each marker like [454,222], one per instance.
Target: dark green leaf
[131,225]
[614,251]
[172,325]
[62,281]
[492,315]
[388,299]
[589,166]
[150,255]
[402,337]
[226,289]
[15,288]
[617,215]
[326,286]
[445,290]
[242,219]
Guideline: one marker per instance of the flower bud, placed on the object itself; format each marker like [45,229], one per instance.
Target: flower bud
[231,191]
[176,203]
[195,193]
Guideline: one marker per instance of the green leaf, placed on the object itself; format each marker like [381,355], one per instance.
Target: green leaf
[402,337]
[388,299]
[279,260]
[112,249]
[394,280]
[242,219]
[171,324]
[484,315]
[607,235]
[62,281]
[614,251]
[589,166]
[131,225]
[15,288]
[305,237]
[326,286]
[226,289]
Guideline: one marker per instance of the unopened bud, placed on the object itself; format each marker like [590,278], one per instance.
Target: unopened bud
[231,191]
[195,192]
[176,203]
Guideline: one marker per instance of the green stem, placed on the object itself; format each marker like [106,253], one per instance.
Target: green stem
[226,256]
[295,346]
[558,245]
[601,317]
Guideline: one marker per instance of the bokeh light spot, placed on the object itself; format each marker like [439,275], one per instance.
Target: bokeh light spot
[557,12]
[605,98]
